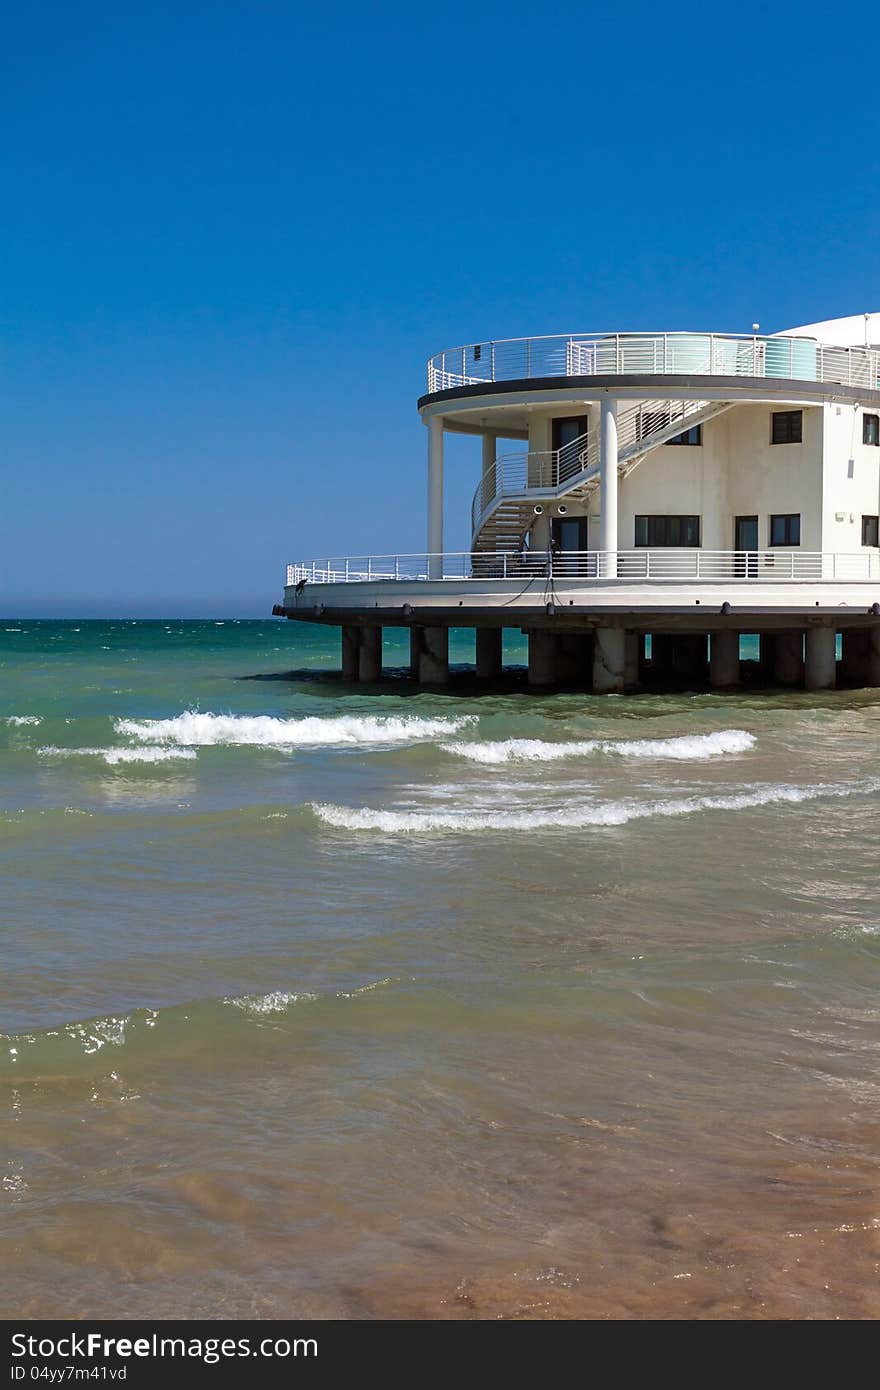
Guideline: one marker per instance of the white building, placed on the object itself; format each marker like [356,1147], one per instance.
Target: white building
[686,486]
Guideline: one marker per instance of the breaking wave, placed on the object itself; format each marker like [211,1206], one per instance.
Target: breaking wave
[688,747]
[206,730]
[20,720]
[201,1027]
[277,1001]
[582,817]
[114,756]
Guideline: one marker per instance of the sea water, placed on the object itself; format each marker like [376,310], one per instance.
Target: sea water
[324,1000]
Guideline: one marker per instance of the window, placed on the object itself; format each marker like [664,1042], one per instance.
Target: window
[649,421]
[785,529]
[788,427]
[871,530]
[568,429]
[667,530]
[871,429]
[692,436]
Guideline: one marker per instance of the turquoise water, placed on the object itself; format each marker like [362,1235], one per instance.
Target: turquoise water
[382,1002]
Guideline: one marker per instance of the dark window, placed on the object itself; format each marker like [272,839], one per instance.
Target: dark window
[788,427]
[871,429]
[871,530]
[692,436]
[567,429]
[478,352]
[660,531]
[785,529]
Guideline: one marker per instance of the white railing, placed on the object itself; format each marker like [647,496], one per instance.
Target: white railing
[653,354]
[662,565]
[640,428]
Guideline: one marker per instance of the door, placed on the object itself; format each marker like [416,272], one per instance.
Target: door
[566,432]
[745,543]
[568,544]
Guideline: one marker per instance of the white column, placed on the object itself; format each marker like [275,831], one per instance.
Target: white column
[435,496]
[490,445]
[608,485]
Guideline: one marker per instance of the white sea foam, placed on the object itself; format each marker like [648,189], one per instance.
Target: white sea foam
[20,720]
[577,817]
[687,748]
[277,1001]
[204,730]
[113,756]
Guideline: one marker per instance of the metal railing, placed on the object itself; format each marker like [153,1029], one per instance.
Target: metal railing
[660,565]
[653,354]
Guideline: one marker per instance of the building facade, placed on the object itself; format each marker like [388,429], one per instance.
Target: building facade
[687,487]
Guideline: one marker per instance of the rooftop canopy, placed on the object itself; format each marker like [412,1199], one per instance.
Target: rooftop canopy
[859,330]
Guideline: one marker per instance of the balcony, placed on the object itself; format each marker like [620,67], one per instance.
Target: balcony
[621,567]
[653,354]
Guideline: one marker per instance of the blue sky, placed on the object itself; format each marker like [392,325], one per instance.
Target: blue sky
[232,233]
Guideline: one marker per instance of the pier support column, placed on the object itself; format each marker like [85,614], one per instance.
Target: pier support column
[661,655]
[820,666]
[874,655]
[489,653]
[788,658]
[433,655]
[542,657]
[608,488]
[574,658]
[435,497]
[351,644]
[724,659]
[632,648]
[414,650]
[370,655]
[609,660]
[856,657]
[689,658]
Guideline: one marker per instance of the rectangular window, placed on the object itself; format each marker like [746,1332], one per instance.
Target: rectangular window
[788,427]
[692,436]
[871,530]
[871,429]
[785,529]
[659,531]
[567,430]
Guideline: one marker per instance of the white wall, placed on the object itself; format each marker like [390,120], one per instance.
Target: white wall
[738,472]
[851,478]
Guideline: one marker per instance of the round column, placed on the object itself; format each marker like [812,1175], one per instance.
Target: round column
[488,653]
[609,660]
[434,656]
[724,659]
[608,487]
[370,655]
[542,657]
[820,666]
[435,497]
